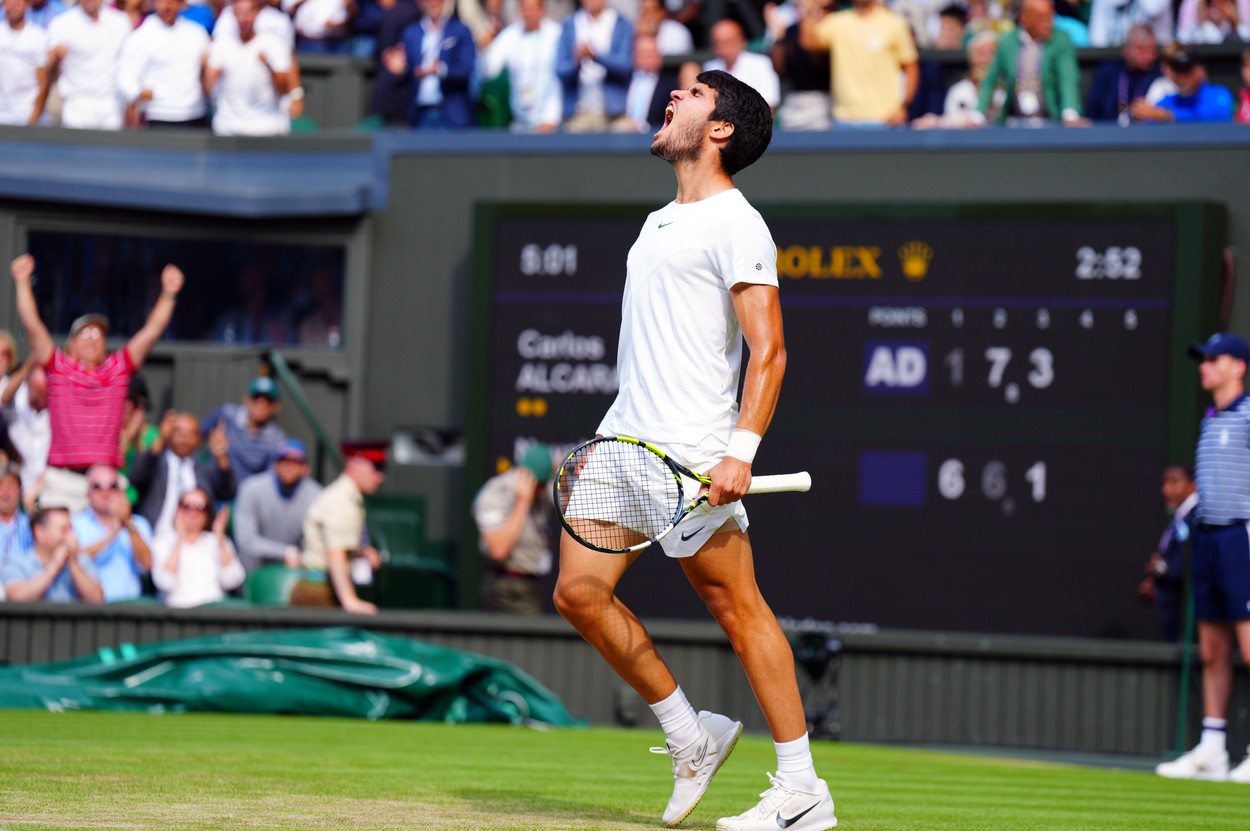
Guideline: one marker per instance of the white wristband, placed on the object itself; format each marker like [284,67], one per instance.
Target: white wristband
[742,445]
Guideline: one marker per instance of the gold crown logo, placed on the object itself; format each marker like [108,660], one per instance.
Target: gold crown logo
[914,257]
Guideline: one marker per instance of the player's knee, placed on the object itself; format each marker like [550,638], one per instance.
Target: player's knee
[575,603]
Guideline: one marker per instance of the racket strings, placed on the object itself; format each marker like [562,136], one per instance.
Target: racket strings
[616,495]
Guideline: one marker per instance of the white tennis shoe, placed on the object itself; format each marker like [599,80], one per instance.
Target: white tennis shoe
[783,807]
[1199,763]
[696,764]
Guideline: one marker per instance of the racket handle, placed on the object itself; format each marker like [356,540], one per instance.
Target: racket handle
[781,483]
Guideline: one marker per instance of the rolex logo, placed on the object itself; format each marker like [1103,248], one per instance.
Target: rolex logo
[914,257]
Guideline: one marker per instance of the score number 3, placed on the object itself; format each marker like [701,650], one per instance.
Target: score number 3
[1041,374]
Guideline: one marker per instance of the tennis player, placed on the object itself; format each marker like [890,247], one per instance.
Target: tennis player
[701,278]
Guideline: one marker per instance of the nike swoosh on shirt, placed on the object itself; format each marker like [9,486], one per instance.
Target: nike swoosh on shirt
[786,822]
[663,224]
[685,537]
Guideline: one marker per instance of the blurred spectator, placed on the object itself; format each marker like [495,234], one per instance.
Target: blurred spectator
[8,356]
[270,509]
[170,467]
[321,26]
[247,78]
[254,435]
[1037,65]
[138,434]
[439,53]
[869,47]
[688,74]
[527,51]
[87,386]
[1067,20]
[650,88]
[1213,21]
[594,61]
[41,13]
[1165,570]
[334,533]
[989,15]
[268,21]
[806,106]
[959,110]
[195,561]
[729,44]
[159,77]
[922,19]
[512,511]
[85,44]
[392,95]
[930,97]
[952,30]
[1243,95]
[1117,84]
[24,403]
[23,66]
[15,534]
[201,12]
[1111,22]
[671,37]
[52,569]
[119,543]
[1195,100]
[136,10]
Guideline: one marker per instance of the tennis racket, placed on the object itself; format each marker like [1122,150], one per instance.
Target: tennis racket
[619,494]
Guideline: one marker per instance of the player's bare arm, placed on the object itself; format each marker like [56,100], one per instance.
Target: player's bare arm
[759,313]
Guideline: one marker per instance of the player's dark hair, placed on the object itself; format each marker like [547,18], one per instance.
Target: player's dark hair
[1187,470]
[742,106]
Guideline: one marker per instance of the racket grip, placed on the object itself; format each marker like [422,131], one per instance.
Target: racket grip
[781,483]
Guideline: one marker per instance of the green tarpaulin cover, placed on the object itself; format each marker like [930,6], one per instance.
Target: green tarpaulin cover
[337,672]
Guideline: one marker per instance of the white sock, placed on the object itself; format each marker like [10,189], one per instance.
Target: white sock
[1213,733]
[678,719]
[794,764]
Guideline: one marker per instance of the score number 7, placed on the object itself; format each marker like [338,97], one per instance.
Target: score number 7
[1041,360]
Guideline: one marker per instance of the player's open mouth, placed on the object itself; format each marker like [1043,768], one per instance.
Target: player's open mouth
[668,119]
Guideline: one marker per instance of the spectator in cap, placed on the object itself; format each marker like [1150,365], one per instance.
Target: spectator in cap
[107,531]
[334,532]
[251,427]
[86,386]
[1221,552]
[1195,101]
[270,509]
[15,534]
[513,513]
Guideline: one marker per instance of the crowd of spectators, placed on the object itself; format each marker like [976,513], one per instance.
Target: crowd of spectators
[97,504]
[607,65]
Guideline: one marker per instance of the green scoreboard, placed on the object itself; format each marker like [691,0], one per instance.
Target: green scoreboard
[985,396]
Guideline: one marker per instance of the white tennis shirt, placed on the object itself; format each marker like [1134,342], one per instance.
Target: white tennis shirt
[680,351]
[23,52]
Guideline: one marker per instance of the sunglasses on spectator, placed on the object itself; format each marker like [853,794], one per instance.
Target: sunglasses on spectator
[105,486]
[197,505]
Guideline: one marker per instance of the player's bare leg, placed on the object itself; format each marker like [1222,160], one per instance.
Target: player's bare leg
[723,574]
[586,596]
[699,743]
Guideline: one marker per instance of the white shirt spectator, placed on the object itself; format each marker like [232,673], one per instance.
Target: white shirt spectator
[597,33]
[1110,20]
[269,21]
[673,38]
[638,98]
[30,431]
[246,102]
[168,60]
[88,72]
[23,52]
[200,577]
[1190,30]
[530,58]
[754,70]
[316,19]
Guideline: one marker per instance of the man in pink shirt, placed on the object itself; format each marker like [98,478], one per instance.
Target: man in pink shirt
[86,385]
